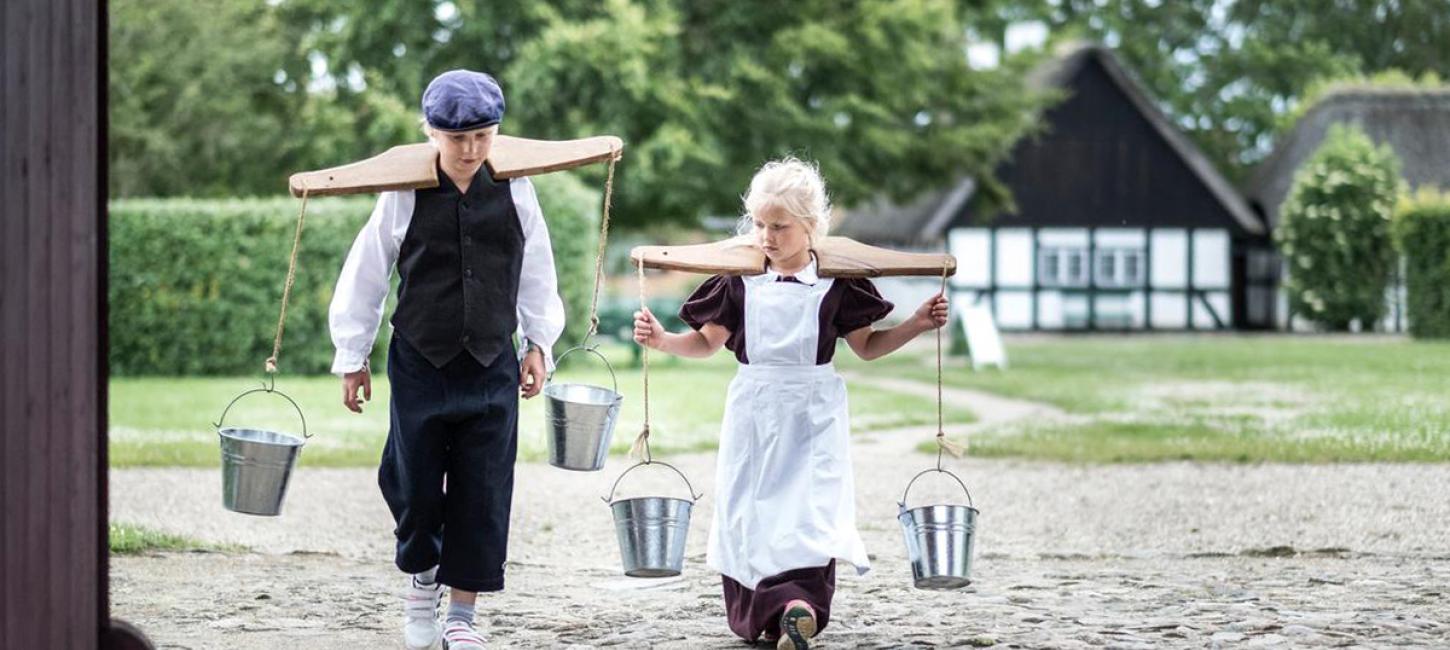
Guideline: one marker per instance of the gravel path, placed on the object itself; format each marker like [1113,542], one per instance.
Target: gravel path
[1162,555]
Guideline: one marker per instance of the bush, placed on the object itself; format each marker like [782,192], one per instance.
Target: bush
[195,285]
[1335,231]
[1422,229]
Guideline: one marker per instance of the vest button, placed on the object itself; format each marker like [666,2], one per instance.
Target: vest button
[468,272]
[466,338]
[467,240]
[463,205]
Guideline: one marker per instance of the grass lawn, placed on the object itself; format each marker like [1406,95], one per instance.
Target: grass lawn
[126,539]
[1221,398]
[168,421]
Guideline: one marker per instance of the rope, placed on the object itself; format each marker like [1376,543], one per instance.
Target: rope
[599,257]
[640,449]
[271,364]
[942,444]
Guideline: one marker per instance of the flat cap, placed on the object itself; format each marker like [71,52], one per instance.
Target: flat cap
[462,100]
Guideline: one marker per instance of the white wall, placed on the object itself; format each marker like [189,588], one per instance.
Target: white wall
[972,248]
[1168,252]
[1015,260]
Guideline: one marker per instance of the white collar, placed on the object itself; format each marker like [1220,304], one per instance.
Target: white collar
[807,275]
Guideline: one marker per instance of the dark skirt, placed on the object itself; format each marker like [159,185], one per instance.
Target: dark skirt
[758,611]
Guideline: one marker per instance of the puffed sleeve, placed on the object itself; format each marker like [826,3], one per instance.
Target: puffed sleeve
[713,302]
[861,305]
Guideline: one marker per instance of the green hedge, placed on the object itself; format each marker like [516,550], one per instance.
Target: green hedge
[1422,228]
[195,285]
[1334,231]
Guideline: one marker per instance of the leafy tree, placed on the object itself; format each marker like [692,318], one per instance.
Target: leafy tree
[702,92]
[1334,231]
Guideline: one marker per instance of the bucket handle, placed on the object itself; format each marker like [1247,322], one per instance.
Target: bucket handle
[265,389]
[592,349]
[610,499]
[902,503]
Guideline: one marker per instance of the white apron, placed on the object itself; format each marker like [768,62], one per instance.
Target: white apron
[784,494]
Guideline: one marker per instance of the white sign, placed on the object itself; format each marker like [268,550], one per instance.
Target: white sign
[983,340]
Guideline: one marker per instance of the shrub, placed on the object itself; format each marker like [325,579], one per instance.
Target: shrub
[195,285]
[1422,229]
[1335,231]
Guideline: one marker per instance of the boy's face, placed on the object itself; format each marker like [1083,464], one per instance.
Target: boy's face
[779,233]
[465,151]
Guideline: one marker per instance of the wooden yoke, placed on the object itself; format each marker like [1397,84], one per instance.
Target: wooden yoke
[836,257]
[415,166]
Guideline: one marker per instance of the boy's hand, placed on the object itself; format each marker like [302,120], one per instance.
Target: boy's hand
[932,313]
[531,373]
[350,383]
[647,330]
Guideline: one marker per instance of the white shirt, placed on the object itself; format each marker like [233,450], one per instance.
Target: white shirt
[363,286]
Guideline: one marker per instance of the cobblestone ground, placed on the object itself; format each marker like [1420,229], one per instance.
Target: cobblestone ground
[1164,555]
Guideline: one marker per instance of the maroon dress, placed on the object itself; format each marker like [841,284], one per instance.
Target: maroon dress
[848,305]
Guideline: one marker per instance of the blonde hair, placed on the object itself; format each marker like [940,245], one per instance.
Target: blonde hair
[795,186]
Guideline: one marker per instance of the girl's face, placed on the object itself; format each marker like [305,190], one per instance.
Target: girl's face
[782,236]
[464,151]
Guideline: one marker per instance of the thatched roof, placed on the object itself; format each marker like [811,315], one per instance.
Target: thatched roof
[921,222]
[925,219]
[1415,123]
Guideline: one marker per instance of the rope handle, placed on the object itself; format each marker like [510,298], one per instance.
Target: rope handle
[271,364]
[599,256]
[640,448]
[942,444]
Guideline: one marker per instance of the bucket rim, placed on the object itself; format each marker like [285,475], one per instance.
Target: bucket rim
[642,498]
[293,440]
[616,396]
[907,511]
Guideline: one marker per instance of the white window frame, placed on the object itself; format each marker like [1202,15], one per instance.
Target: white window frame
[1117,258]
[1055,266]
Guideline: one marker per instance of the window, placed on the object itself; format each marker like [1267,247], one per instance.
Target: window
[1119,267]
[1062,267]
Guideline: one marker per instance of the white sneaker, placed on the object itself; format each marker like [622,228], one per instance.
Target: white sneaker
[420,614]
[461,635]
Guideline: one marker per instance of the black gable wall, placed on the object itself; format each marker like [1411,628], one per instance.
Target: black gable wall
[1101,163]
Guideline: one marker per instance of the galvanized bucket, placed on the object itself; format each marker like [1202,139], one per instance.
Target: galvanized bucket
[257,463]
[652,530]
[579,420]
[939,539]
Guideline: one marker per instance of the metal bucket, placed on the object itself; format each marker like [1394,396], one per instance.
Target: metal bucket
[257,463]
[652,530]
[939,540]
[579,420]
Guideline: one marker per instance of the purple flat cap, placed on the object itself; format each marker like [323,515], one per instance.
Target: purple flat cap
[462,100]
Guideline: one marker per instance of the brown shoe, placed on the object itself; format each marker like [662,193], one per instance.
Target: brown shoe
[797,626]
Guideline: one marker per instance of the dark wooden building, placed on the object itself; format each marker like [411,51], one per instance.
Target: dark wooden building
[1121,223]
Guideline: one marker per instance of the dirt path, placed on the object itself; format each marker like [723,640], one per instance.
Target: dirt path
[1174,554]
[1164,555]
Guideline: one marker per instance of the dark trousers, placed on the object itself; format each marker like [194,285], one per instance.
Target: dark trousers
[752,612]
[458,422]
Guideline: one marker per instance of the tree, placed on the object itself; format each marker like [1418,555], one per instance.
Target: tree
[1334,231]
[702,92]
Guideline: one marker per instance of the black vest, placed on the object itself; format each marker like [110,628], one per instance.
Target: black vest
[459,271]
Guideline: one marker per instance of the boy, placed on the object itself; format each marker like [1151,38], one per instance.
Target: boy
[475,265]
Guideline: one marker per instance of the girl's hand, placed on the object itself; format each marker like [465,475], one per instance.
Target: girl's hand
[932,313]
[647,330]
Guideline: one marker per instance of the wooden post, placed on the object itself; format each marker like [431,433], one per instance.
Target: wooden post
[53,549]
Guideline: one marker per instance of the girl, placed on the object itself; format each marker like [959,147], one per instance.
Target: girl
[785,501]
